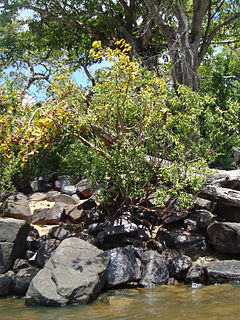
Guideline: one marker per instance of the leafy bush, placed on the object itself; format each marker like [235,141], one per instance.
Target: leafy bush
[142,138]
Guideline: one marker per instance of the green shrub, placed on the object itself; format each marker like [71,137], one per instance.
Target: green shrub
[129,132]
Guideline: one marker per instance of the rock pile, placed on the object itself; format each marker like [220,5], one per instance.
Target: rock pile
[87,250]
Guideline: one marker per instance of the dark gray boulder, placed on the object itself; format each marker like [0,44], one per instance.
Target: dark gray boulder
[191,244]
[40,185]
[155,245]
[196,274]
[205,218]
[75,274]
[225,237]
[228,213]
[180,266]
[60,232]
[20,264]
[22,279]
[123,267]
[6,283]
[13,235]
[44,252]
[154,269]
[16,206]
[222,271]
[117,235]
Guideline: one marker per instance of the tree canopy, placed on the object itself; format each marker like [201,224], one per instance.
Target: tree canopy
[183,30]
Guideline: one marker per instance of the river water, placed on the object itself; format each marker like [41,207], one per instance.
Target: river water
[163,302]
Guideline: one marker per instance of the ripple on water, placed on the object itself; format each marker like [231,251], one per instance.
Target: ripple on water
[163,302]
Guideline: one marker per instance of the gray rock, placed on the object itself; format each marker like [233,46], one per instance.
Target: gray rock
[40,185]
[74,274]
[205,218]
[155,245]
[76,215]
[43,291]
[190,225]
[195,274]
[123,267]
[83,188]
[6,283]
[37,196]
[44,252]
[204,204]
[180,266]
[191,244]
[51,215]
[59,233]
[225,236]
[222,271]
[51,195]
[20,264]
[228,213]
[175,215]
[172,282]
[115,236]
[62,182]
[17,207]
[13,235]
[66,199]
[22,280]
[154,269]
[70,190]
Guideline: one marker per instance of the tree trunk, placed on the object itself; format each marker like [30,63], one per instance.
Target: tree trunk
[184,68]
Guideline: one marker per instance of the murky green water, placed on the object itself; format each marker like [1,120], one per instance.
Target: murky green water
[210,302]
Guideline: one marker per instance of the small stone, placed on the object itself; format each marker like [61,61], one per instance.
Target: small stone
[37,196]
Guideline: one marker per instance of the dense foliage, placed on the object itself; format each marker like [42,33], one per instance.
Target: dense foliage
[133,136]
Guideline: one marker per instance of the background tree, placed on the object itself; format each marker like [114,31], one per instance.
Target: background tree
[186,29]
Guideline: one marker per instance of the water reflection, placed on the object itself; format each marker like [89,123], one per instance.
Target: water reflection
[163,302]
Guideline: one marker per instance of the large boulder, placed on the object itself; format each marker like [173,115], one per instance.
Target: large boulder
[75,274]
[17,207]
[222,271]
[123,267]
[13,235]
[225,236]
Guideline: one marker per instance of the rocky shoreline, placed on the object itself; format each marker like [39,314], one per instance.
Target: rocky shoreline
[84,251]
